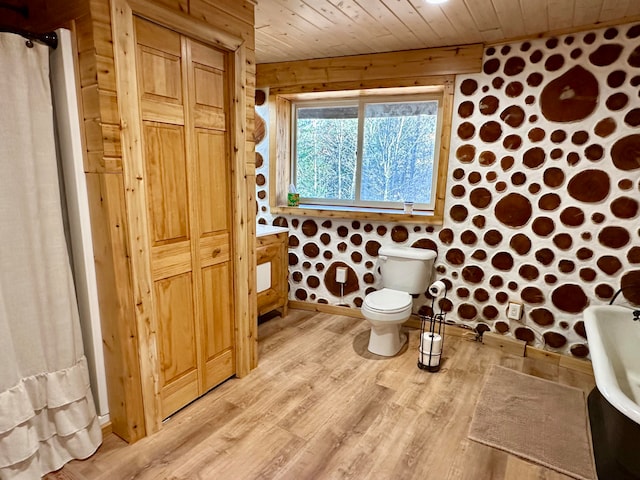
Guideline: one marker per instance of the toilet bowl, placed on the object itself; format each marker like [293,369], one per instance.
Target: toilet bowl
[404,271]
[386,310]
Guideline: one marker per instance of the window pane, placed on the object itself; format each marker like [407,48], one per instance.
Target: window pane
[326,139]
[399,148]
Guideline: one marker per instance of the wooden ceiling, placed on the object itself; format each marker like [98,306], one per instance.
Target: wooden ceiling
[303,29]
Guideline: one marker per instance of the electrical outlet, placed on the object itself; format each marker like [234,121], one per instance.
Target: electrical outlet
[341,274]
[514,311]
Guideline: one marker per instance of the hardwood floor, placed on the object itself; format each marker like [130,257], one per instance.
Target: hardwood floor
[320,406]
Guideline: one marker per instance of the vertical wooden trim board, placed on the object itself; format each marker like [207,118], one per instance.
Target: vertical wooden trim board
[279,149]
[445,140]
[244,296]
[244,241]
[130,118]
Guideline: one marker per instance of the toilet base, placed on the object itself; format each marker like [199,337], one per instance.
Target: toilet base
[386,340]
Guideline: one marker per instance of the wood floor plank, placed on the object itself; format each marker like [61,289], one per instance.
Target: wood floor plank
[523,470]
[320,406]
[473,457]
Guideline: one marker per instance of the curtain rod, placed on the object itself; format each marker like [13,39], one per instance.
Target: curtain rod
[50,38]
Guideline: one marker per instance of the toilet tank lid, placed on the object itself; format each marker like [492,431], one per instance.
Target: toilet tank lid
[407,252]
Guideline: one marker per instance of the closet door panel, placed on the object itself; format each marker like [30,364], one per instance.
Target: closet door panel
[209,94]
[177,349]
[159,63]
[213,183]
[217,311]
[166,182]
[161,79]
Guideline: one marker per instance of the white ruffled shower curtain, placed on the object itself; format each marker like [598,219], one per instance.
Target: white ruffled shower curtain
[47,414]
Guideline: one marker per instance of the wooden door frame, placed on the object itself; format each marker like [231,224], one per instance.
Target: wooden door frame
[244,297]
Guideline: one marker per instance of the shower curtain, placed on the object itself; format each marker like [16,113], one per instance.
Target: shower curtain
[47,414]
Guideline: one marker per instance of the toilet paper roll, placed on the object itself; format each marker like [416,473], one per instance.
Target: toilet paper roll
[437,289]
[431,343]
[430,361]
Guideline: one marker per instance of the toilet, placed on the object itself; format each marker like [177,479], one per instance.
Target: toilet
[404,270]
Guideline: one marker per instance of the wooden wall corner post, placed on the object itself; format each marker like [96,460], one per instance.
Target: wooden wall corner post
[244,223]
[133,175]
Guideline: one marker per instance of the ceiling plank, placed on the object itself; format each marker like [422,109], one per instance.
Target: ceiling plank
[355,18]
[483,14]
[384,16]
[588,11]
[633,9]
[560,14]
[459,17]
[280,46]
[535,13]
[510,15]
[613,9]
[319,29]
[280,17]
[412,20]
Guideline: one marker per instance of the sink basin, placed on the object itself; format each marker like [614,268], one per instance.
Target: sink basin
[614,343]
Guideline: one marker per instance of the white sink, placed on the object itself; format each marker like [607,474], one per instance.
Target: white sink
[264,230]
[614,343]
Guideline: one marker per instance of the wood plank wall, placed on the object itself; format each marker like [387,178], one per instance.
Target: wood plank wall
[396,69]
[103,167]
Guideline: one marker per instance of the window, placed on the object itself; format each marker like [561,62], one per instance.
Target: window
[367,151]
[359,154]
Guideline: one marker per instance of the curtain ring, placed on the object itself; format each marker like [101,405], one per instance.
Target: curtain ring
[29,43]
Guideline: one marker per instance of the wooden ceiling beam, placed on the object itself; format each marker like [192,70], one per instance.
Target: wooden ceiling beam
[408,63]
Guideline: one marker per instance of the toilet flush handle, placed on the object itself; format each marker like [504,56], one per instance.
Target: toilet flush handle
[383,258]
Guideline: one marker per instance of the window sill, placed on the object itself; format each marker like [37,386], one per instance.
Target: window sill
[358,213]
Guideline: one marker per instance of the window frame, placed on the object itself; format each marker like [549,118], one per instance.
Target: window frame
[361,101]
[280,99]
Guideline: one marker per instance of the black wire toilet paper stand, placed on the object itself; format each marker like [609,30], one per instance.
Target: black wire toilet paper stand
[433,324]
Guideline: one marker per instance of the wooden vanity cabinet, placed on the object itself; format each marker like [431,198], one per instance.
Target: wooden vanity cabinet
[272,260]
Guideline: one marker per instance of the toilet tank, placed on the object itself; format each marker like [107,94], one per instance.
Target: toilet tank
[405,268]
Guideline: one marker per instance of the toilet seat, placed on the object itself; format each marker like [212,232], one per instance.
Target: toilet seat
[387,301]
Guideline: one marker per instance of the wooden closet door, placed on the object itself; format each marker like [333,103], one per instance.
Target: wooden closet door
[208,101]
[183,103]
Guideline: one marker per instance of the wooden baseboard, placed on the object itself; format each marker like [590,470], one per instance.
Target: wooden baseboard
[324,308]
[106,428]
[578,364]
[565,361]
[520,348]
[506,344]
